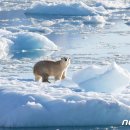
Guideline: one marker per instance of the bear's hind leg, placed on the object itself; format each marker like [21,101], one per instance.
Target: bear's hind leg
[45,78]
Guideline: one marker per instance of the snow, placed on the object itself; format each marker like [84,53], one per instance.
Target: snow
[109,79]
[4,32]
[94,20]
[98,94]
[62,8]
[39,29]
[4,47]
[44,30]
[108,4]
[34,104]
[88,73]
[111,4]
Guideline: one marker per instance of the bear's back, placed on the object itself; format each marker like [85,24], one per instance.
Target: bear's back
[45,65]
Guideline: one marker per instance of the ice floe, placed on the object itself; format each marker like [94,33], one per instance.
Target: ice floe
[102,79]
[96,95]
[32,41]
[5,33]
[29,103]
[116,4]
[62,8]
[94,20]
[27,43]
[38,29]
[5,45]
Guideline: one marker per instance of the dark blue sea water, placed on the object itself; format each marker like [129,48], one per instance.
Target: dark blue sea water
[74,128]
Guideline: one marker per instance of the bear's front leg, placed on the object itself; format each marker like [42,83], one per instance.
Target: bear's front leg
[63,75]
[58,77]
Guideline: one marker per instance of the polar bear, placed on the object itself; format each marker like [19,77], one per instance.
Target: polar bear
[44,69]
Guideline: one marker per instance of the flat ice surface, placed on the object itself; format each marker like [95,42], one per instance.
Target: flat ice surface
[94,34]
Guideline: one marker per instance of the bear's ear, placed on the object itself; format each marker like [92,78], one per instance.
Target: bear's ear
[64,58]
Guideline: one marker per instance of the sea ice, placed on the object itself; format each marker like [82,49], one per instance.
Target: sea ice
[32,41]
[102,79]
[5,45]
[94,20]
[116,4]
[29,103]
[27,43]
[64,8]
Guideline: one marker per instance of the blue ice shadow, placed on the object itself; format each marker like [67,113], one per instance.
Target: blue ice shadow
[26,80]
[30,54]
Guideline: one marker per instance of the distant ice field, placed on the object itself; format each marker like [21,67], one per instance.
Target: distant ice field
[94,34]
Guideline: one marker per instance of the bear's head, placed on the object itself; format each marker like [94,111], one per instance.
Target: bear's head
[65,62]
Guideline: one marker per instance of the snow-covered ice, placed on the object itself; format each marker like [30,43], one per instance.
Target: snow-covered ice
[4,33]
[5,45]
[96,90]
[44,30]
[103,79]
[32,41]
[95,20]
[29,103]
[15,43]
[65,8]
[116,4]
